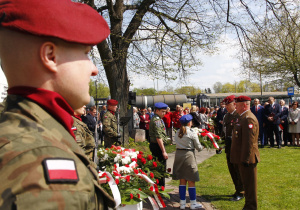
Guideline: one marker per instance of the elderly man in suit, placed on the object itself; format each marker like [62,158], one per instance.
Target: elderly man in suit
[272,114]
[244,149]
[258,110]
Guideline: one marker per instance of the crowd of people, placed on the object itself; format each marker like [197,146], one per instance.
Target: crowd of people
[275,120]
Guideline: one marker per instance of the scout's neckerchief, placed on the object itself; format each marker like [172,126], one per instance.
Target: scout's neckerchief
[51,101]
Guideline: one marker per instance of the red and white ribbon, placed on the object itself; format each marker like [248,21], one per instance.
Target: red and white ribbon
[113,186]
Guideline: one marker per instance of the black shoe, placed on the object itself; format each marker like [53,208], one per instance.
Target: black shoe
[279,147]
[237,198]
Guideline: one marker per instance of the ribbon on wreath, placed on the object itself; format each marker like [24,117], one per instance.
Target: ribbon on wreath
[211,137]
[157,196]
[113,186]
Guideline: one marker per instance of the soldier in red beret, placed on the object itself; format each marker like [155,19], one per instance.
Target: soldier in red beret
[228,123]
[244,149]
[110,125]
[44,47]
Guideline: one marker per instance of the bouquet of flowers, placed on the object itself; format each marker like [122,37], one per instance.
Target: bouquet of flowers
[134,173]
[208,139]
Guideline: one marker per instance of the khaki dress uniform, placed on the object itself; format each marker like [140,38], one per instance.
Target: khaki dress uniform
[84,138]
[110,128]
[30,140]
[244,152]
[228,123]
[157,130]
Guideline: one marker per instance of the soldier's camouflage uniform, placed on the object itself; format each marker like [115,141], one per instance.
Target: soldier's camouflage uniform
[84,138]
[157,130]
[110,128]
[29,135]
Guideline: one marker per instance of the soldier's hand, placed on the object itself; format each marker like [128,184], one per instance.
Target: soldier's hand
[165,155]
[119,136]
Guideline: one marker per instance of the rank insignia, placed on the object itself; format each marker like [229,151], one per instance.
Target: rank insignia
[60,170]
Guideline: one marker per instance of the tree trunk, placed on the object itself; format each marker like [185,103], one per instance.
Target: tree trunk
[117,77]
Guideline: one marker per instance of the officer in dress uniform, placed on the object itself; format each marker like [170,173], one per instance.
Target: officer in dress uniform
[110,125]
[158,136]
[228,122]
[44,48]
[244,149]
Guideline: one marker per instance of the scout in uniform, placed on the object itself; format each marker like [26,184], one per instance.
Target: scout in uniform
[244,149]
[110,125]
[185,165]
[158,136]
[228,122]
[44,48]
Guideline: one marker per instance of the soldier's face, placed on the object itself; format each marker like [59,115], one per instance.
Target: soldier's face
[73,75]
[230,107]
[240,107]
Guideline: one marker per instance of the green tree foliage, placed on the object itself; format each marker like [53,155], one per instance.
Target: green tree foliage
[228,88]
[270,38]
[217,87]
[240,87]
[144,91]
[188,90]
[102,90]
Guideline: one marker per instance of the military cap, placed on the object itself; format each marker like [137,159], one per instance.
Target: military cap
[185,119]
[112,102]
[64,19]
[160,105]
[242,99]
[228,99]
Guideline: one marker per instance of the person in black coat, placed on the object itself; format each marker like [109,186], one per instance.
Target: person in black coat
[272,114]
[284,122]
[220,116]
[90,119]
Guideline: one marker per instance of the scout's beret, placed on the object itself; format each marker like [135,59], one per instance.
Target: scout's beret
[64,19]
[242,99]
[112,102]
[160,105]
[228,99]
[185,119]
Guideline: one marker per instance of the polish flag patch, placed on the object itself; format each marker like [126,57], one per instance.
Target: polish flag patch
[250,126]
[74,128]
[60,170]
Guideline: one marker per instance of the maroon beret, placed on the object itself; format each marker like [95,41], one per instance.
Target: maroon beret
[70,21]
[112,102]
[242,99]
[228,99]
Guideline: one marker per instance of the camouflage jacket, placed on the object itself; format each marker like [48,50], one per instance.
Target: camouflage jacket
[35,151]
[110,128]
[157,129]
[84,138]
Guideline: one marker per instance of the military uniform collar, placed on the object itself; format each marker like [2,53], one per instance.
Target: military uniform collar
[244,112]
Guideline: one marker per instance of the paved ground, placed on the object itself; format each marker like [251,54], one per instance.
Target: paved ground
[173,202]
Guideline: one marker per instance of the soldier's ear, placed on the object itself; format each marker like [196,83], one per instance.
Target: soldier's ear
[48,55]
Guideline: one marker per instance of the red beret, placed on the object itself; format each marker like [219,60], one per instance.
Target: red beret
[242,99]
[112,102]
[228,99]
[70,21]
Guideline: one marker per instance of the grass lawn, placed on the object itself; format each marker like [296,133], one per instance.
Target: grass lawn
[278,180]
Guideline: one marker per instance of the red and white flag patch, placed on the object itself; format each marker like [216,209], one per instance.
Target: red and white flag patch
[60,170]
[250,126]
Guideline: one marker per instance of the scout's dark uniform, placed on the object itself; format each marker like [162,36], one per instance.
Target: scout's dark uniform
[244,153]
[157,130]
[228,123]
